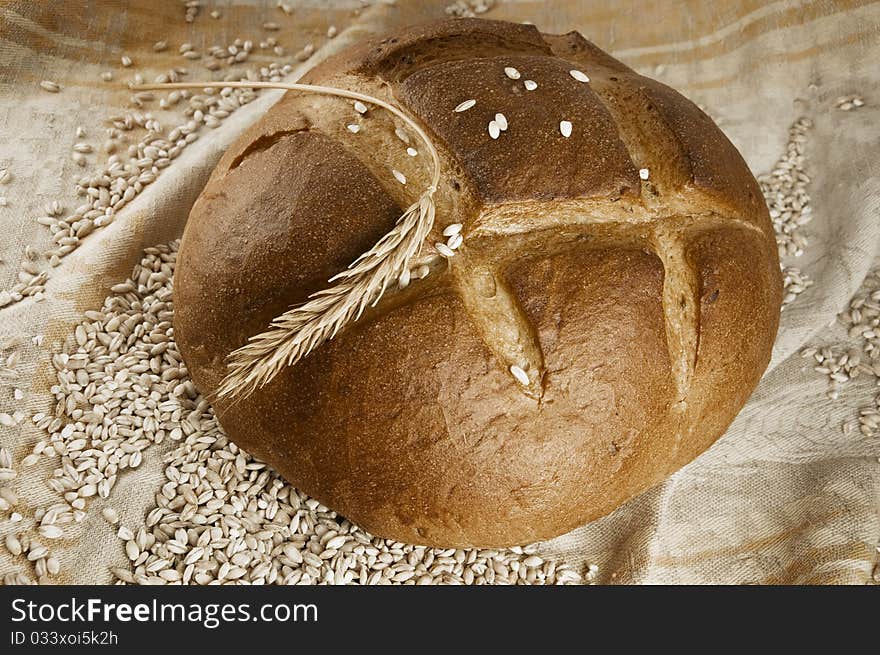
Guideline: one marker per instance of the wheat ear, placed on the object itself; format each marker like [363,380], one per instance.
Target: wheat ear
[298,331]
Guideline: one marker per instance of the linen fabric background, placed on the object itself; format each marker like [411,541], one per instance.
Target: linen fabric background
[784,497]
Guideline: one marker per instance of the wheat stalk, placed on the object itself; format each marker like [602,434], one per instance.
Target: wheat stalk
[298,331]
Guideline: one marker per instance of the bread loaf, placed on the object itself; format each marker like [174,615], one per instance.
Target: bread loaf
[610,309]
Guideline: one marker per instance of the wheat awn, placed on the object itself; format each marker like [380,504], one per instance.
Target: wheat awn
[301,329]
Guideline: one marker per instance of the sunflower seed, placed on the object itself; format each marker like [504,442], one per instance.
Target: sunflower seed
[50,86]
[400,177]
[464,106]
[580,76]
[360,107]
[512,73]
[530,85]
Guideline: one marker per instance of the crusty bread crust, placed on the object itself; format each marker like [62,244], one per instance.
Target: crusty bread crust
[645,311]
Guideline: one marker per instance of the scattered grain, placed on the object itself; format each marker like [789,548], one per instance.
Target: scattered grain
[444,250]
[51,531]
[37,552]
[794,283]
[13,545]
[849,102]
[521,376]
[465,8]
[785,190]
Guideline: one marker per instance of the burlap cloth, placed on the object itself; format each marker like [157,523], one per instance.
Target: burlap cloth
[784,497]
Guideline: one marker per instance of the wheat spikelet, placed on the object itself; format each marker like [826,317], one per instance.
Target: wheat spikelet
[301,329]
[298,331]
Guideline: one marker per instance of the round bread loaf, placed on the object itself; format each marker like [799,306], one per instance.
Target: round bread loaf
[629,268]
